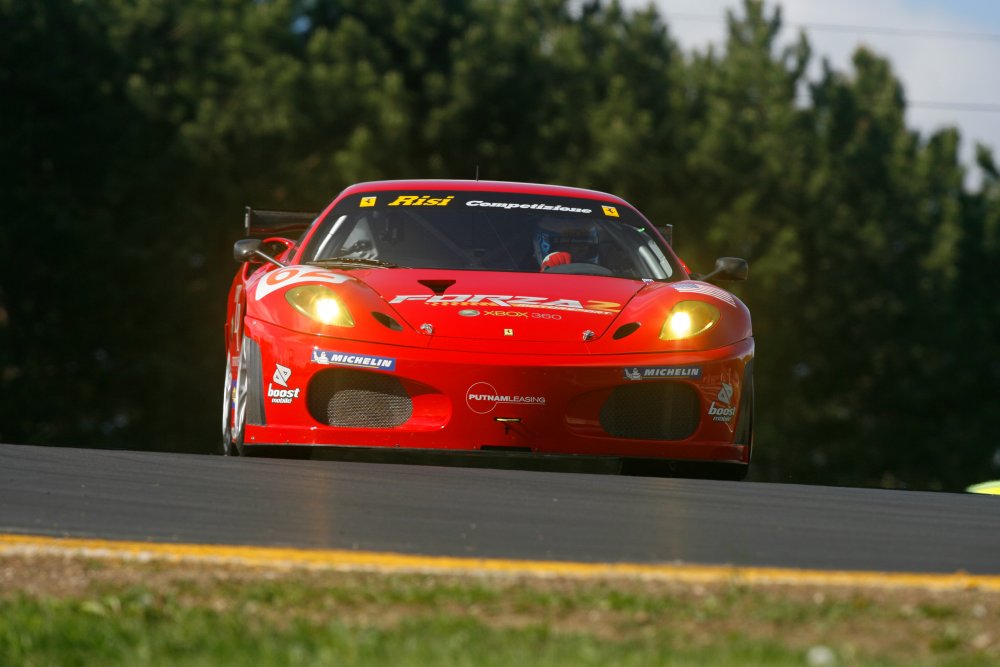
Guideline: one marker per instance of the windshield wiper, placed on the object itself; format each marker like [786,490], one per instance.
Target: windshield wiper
[355,261]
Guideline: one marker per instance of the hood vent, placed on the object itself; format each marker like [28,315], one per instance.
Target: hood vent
[387,321]
[437,286]
[625,330]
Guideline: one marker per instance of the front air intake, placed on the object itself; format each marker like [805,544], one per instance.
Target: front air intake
[357,399]
[651,411]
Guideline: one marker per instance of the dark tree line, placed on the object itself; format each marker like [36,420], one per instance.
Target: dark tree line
[134,132]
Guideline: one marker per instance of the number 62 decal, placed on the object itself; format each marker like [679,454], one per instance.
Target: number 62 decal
[291,275]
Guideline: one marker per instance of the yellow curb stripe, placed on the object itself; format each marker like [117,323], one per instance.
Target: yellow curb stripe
[399,563]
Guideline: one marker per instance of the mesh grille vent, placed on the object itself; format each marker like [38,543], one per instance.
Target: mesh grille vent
[358,399]
[651,411]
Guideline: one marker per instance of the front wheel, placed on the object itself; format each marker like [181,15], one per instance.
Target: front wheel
[234,409]
[227,410]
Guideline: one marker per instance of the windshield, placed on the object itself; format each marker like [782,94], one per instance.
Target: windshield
[489,231]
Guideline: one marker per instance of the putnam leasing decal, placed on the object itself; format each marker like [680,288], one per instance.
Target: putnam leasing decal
[483,397]
[332,358]
[421,200]
[511,301]
[660,372]
[292,275]
[537,207]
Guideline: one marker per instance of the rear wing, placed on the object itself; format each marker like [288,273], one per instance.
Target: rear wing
[286,224]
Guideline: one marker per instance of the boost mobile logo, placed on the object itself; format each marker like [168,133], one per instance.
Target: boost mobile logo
[725,397]
[421,200]
[280,378]
[281,375]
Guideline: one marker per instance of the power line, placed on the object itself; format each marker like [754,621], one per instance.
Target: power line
[941,105]
[954,35]
[954,106]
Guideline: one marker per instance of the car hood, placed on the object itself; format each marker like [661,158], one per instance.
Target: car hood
[502,306]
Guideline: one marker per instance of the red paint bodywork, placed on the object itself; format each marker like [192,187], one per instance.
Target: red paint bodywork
[547,358]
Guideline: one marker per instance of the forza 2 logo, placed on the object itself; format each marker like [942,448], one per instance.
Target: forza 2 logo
[511,301]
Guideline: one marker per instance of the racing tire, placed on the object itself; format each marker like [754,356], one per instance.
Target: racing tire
[227,410]
[238,420]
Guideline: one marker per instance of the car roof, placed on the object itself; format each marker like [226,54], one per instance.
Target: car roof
[481,186]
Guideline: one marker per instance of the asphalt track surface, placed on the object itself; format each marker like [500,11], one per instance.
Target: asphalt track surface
[477,513]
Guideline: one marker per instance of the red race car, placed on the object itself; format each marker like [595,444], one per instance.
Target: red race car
[485,317]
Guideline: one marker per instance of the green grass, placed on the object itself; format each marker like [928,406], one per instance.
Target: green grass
[132,614]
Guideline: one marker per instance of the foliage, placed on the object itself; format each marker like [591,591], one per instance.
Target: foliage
[209,615]
[135,131]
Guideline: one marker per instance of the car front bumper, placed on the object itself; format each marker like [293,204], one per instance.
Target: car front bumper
[678,406]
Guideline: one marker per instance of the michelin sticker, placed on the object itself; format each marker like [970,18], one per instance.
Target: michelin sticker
[662,372]
[332,358]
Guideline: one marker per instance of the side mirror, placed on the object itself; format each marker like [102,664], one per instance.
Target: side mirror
[728,268]
[246,249]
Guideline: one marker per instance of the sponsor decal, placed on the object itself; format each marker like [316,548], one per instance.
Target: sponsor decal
[282,395]
[708,290]
[724,412]
[508,332]
[281,375]
[483,398]
[610,211]
[537,207]
[505,313]
[661,372]
[511,301]
[293,275]
[421,200]
[469,312]
[368,202]
[333,358]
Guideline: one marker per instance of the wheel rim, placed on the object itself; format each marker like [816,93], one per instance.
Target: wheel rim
[227,407]
[239,409]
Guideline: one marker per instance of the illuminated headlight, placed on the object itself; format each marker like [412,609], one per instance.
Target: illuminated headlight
[687,319]
[321,304]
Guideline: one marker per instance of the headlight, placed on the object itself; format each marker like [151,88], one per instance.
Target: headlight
[321,304]
[688,319]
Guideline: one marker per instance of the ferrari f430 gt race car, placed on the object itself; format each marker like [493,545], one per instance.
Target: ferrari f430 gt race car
[485,317]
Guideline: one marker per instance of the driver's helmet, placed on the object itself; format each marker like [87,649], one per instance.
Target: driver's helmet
[577,237]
